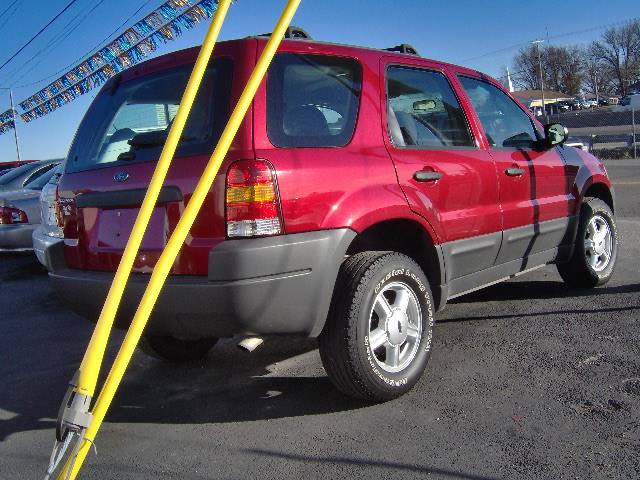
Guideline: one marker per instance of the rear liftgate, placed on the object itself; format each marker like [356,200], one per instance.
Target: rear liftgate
[77,423]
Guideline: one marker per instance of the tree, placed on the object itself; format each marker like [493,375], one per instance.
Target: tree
[617,54]
[561,67]
[596,78]
[526,70]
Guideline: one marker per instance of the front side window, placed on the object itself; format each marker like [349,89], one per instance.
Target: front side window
[312,100]
[504,123]
[423,111]
[131,121]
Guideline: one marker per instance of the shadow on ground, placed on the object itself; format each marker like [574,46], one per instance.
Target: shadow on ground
[228,386]
[527,290]
[363,462]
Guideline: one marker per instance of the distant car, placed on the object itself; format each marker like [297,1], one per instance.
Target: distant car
[19,177]
[48,232]
[603,102]
[574,104]
[576,143]
[563,106]
[590,103]
[20,214]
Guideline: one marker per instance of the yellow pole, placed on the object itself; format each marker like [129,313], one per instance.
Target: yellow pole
[163,266]
[90,366]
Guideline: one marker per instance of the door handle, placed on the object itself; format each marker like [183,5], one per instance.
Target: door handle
[427,176]
[514,172]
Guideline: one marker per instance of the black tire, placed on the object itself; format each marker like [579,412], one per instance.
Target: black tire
[344,343]
[578,271]
[176,350]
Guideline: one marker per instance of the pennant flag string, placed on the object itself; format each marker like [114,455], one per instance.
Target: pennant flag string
[162,25]
[6,126]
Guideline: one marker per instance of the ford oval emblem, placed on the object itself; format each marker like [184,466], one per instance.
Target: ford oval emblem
[121,177]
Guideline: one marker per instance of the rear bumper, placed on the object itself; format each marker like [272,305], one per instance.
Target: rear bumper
[275,285]
[41,242]
[16,237]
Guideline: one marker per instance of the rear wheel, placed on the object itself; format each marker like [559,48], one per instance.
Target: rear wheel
[174,349]
[596,248]
[377,339]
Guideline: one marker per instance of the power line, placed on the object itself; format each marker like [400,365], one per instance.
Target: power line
[38,34]
[90,51]
[10,14]
[7,9]
[552,37]
[62,35]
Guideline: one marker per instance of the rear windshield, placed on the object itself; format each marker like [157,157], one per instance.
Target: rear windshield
[312,100]
[130,122]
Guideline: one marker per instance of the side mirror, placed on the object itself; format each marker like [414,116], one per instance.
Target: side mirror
[555,134]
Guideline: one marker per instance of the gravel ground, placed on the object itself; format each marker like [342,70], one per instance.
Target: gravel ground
[527,380]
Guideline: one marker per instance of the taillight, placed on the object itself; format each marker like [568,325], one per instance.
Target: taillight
[252,203]
[9,216]
[50,215]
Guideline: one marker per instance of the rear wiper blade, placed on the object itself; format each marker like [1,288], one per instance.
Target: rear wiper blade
[139,142]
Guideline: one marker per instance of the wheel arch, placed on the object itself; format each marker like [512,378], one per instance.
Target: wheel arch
[410,238]
[603,192]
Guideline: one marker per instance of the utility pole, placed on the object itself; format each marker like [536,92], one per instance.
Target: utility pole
[595,82]
[15,126]
[537,43]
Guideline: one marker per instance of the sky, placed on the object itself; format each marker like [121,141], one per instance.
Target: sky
[480,34]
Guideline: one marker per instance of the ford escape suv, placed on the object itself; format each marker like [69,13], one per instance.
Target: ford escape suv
[363,190]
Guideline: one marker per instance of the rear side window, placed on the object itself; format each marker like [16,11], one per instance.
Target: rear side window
[312,100]
[130,122]
[40,181]
[503,121]
[423,111]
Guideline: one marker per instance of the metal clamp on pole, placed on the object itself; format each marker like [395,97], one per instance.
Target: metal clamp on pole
[72,422]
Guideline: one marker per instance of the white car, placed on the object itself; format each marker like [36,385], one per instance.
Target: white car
[48,232]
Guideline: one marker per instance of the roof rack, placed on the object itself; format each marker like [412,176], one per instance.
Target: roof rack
[403,48]
[292,32]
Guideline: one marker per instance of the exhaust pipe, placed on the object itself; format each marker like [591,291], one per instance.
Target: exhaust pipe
[249,344]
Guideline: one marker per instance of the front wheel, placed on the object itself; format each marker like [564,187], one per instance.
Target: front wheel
[596,248]
[377,340]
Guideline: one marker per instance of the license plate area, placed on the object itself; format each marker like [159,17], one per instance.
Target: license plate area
[115,225]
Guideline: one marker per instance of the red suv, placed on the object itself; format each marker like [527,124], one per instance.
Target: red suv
[364,189]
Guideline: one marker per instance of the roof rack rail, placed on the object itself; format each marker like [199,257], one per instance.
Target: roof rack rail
[403,48]
[291,32]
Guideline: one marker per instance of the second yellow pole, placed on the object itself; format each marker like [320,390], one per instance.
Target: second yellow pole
[163,266]
[90,366]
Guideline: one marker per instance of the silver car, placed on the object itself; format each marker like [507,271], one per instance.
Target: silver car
[20,214]
[48,232]
[18,178]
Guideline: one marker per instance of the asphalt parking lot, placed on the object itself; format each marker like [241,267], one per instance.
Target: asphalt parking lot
[527,379]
